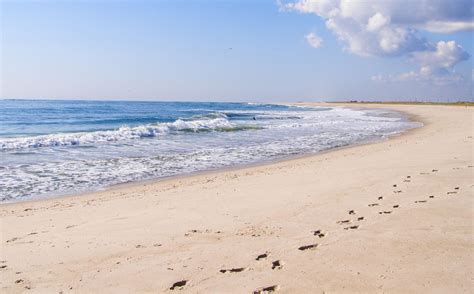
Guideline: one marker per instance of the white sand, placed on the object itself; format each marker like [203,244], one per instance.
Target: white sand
[139,238]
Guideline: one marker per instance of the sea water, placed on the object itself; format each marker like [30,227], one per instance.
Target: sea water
[52,148]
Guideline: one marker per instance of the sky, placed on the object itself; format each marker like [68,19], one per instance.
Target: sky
[237,50]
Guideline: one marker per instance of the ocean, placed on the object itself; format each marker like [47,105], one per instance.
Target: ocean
[53,148]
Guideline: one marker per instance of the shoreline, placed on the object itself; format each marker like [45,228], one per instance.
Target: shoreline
[269,162]
[393,216]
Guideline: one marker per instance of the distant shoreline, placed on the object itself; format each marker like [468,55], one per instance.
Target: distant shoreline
[458,103]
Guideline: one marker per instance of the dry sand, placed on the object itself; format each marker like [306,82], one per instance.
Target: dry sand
[209,229]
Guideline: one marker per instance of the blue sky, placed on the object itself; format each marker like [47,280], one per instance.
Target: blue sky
[207,51]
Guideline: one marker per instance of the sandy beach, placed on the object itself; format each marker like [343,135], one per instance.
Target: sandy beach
[394,216]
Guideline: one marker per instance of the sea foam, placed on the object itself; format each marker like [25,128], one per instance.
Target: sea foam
[124,133]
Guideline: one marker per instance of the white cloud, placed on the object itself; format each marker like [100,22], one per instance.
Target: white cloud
[390,28]
[378,78]
[445,56]
[448,27]
[436,65]
[376,22]
[313,40]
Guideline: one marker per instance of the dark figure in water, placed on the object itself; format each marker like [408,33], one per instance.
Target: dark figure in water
[254,118]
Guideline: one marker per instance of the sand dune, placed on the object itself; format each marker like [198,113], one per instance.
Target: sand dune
[394,216]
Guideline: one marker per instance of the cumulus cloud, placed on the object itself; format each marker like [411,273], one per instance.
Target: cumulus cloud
[376,22]
[436,65]
[391,28]
[313,40]
[441,60]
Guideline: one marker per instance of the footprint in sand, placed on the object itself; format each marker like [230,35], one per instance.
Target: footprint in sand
[351,211]
[265,290]
[277,264]
[380,198]
[351,228]
[456,188]
[434,170]
[385,212]
[262,256]
[396,206]
[344,221]
[360,218]
[421,201]
[308,247]
[431,196]
[452,192]
[373,204]
[319,233]
[394,185]
[179,285]
[12,239]
[233,270]
[397,191]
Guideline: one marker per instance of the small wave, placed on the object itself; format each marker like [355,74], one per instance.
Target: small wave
[214,122]
[210,115]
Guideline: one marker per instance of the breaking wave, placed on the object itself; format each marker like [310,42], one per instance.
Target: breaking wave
[212,122]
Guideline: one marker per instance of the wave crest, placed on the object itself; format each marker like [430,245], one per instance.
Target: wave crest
[218,123]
